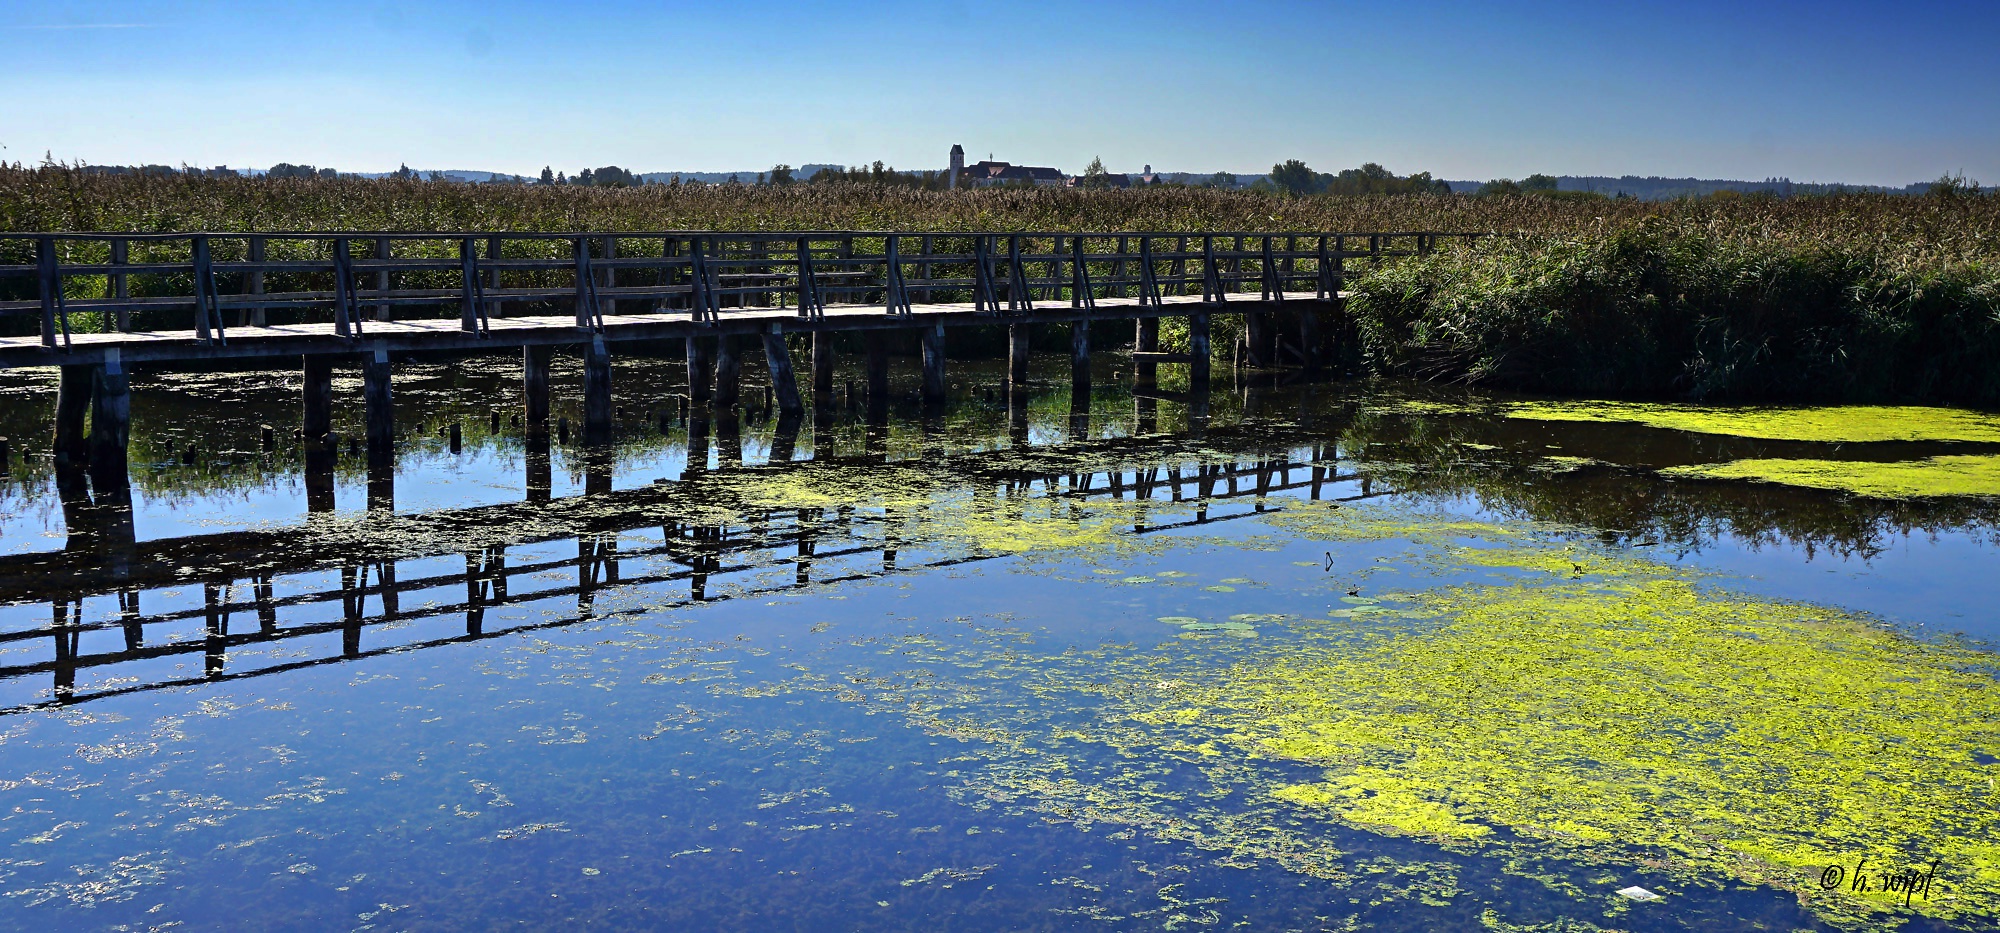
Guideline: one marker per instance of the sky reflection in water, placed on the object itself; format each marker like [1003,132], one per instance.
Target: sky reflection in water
[884,746]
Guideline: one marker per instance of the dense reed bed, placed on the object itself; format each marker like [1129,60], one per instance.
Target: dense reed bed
[1829,298]
[1667,308]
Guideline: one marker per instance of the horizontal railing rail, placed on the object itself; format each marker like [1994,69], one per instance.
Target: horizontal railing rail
[205,283]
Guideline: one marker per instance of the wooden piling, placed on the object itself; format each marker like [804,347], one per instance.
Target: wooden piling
[778,360]
[535,389]
[1017,359]
[1258,335]
[1146,340]
[877,344]
[822,368]
[933,342]
[110,420]
[597,413]
[72,406]
[318,398]
[1079,357]
[700,370]
[380,405]
[728,373]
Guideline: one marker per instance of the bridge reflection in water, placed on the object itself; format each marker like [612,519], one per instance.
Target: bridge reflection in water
[128,616]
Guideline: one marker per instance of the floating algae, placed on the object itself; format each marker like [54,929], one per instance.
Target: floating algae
[1969,475]
[1635,719]
[1838,424]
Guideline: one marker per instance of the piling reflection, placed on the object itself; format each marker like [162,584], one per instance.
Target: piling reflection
[110,614]
[382,574]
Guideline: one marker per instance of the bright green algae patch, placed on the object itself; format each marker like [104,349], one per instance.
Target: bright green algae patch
[1727,734]
[1589,706]
[1970,475]
[1835,424]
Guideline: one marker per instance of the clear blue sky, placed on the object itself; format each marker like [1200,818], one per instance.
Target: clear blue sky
[1861,92]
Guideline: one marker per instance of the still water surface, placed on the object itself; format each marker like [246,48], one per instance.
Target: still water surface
[1324,657]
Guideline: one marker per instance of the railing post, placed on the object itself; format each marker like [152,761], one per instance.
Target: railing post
[471,307]
[608,279]
[207,305]
[1118,268]
[894,296]
[51,282]
[253,316]
[1082,293]
[1149,282]
[1018,297]
[346,317]
[120,288]
[496,307]
[587,314]
[384,248]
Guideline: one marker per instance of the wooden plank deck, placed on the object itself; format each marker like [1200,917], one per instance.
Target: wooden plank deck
[446,334]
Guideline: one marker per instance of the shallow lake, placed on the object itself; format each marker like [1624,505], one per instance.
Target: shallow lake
[1304,657]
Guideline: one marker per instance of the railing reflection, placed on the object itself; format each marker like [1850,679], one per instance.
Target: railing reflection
[620,541]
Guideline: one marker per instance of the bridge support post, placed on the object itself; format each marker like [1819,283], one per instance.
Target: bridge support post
[778,360]
[1198,348]
[1309,339]
[110,421]
[1017,359]
[877,343]
[1079,358]
[1258,336]
[72,406]
[822,369]
[317,415]
[701,370]
[728,373]
[1146,340]
[597,392]
[535,389]
[381,408]
[933,339]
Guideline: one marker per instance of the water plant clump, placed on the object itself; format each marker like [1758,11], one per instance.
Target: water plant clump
[1935,477]
[1686,307]
[1849,424]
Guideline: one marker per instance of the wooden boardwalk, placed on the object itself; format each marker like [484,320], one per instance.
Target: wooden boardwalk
[107,301]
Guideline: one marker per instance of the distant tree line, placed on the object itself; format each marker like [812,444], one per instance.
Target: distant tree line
[1295,178]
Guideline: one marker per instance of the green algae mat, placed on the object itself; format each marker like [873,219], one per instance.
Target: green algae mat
[1518,697]
[1971,475]
[1852,424]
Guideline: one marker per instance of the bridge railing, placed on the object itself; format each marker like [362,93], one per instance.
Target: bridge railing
[56,285]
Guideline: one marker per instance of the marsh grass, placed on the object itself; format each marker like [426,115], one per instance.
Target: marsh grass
[1671,308]
[1854,297]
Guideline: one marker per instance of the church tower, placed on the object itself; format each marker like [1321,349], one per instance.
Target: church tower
[957,165]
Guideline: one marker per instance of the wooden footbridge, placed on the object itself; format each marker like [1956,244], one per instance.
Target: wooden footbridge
[94,304]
